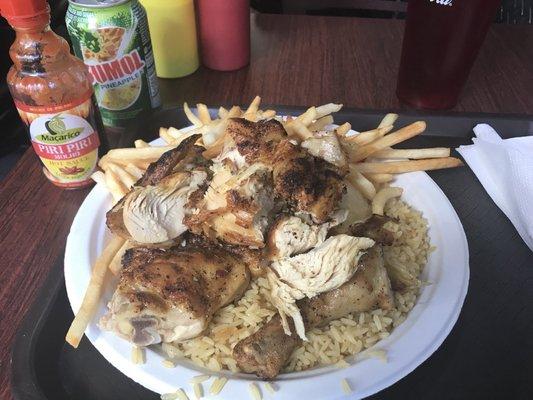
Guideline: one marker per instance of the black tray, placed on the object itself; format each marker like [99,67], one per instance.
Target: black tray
[487,355]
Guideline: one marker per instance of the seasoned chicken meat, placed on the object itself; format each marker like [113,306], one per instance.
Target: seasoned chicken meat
[290,234]
[307,184]
[267,351]
[374,228]
[321,269]
[327,147]
[167,295]
[153,199]
[154,214]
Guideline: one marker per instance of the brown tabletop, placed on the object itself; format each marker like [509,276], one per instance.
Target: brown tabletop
[296,60]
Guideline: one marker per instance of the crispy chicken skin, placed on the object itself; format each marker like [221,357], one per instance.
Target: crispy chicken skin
[308,184]
[373,228]
[256,141]
[174,160]
[267,351]
[171,294]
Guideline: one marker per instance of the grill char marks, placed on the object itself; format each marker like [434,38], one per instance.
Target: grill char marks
[306,183]
[256,141]
[171,161]
[180,287]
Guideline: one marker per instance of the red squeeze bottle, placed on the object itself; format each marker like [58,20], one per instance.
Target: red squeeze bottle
[224,33]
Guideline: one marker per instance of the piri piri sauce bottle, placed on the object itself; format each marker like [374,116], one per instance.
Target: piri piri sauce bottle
[53,95]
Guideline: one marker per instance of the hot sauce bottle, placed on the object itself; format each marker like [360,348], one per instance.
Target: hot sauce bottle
[54,96]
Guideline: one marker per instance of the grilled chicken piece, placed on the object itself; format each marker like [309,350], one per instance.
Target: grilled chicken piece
[235,209]
[306,183]
[373,228]
[184,157]
[290,235]
[171,295]
[254,259]
[256,142]
[154,214]
[268,350]
[324,268]
[326,147]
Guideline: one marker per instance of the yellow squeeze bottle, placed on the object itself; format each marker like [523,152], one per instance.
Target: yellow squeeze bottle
[173,32]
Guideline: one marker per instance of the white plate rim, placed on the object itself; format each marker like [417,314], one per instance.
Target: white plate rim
[157,378]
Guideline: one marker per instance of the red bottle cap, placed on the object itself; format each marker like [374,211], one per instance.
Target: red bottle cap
[25,13]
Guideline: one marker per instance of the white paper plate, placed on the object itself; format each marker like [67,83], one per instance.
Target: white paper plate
[425,328]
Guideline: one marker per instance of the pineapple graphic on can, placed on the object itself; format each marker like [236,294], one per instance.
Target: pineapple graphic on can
[113,40]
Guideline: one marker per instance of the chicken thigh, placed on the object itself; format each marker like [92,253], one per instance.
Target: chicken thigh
[167,295]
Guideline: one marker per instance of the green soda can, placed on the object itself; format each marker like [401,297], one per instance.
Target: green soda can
[112,38]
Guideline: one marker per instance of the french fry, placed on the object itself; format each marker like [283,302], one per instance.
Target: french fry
[398,167]
[139,143]
[416,154]
[362,184]
[382,196]
[179,136]
[134,171]
[253,107]
[165,135]
[98,177]
[115,186]
[125,178]
[379,178]
[391,139]
[307,117]
[296,128]
[321,123]
[367,137]
[215,149]
[388,120]
[143,165]
[116,262]
[203,113]
[104,162]
[267,114]
[125,156]
[343,129]
[93,292]
[330,108]
[222,112]
[190,116]
[234,112]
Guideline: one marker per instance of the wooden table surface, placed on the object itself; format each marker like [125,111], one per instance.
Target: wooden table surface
[296,60]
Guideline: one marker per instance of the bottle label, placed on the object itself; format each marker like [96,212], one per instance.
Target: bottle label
[114,42]
[64,140]
[442,2]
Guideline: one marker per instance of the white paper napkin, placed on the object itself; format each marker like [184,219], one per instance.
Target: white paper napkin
[505,169]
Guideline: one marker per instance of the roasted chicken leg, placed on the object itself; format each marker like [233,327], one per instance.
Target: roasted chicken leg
[267,351]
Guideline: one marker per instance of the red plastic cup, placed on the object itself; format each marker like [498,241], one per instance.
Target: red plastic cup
[224,33]
[441,42]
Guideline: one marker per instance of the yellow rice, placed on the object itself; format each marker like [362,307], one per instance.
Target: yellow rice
[332,343]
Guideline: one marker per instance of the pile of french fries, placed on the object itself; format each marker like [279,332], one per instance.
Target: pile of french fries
[372,164]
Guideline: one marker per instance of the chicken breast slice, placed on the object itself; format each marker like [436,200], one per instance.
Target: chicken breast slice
[290,235]
[320,270]
[154,214]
